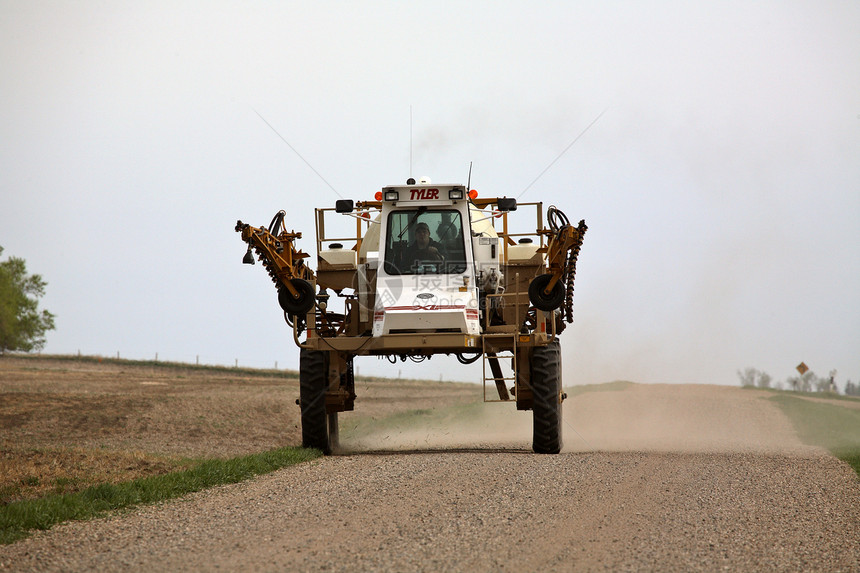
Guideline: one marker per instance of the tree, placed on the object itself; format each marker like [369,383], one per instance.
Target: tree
[753,377]
[22,325]
[747,377]
[803,383]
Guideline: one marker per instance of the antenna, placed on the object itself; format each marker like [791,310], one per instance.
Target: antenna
[469,180]
[410,142]
[297,153]
[551,163]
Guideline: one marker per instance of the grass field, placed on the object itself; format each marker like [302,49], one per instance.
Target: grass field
[833,424]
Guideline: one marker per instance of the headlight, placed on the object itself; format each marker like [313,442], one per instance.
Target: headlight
[392,196]
[455,194]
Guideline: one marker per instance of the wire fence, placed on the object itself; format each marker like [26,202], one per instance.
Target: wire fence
[196,362]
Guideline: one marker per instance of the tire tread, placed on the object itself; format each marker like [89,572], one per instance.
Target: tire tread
[546,408]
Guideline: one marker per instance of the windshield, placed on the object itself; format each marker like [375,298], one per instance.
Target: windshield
[421,241]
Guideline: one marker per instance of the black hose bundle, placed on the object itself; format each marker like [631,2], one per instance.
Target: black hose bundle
[558,222]
[277,222]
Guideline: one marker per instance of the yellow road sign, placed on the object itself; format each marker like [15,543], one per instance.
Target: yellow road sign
[802,368]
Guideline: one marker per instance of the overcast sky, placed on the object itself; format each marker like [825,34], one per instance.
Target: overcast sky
[721,185]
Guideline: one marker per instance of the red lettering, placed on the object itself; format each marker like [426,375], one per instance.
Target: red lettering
[424,194]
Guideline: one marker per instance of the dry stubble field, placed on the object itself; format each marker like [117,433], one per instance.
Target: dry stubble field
[66,423]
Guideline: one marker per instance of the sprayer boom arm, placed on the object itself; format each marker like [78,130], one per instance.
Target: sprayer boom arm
[277,253]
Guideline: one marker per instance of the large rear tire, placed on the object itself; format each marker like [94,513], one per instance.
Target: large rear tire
[546,394]
[319,430]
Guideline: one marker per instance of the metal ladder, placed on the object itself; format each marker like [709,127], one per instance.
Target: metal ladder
[493,357]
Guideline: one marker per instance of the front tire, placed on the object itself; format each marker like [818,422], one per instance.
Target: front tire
[319,430]
[546,392]
[297,306]
[543,301]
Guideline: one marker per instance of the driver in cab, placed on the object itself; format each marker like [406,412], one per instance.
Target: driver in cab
[422,250]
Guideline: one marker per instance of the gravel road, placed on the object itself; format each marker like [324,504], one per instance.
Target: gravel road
[656,478]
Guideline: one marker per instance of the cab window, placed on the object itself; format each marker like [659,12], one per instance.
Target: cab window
[422,241]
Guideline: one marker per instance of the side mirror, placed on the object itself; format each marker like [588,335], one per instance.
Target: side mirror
[506,204]
[344,206]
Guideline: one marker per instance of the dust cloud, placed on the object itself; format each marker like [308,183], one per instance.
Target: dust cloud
[485,426]
[619,417]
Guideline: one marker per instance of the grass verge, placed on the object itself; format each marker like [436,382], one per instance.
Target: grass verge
[31,473]
[836,428]
[19,518]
